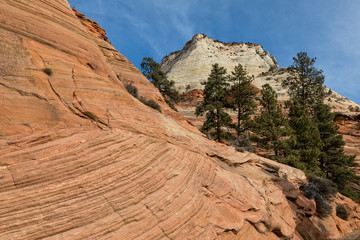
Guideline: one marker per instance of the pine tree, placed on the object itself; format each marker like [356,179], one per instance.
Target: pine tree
[334,163]
[305,89]
[243,97]
[308,142]
[215,101]
[153,73]
[318,147]
[305,84]
[271,127]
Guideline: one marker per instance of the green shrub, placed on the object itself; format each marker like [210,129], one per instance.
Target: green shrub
[350,193]
[48,71]
[132,90]
[240,149]
[171,104]
[242,143]
[321,190]
[150,103]
[341,212]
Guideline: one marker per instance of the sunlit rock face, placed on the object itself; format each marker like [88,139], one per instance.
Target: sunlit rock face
[80,158]
[192,65]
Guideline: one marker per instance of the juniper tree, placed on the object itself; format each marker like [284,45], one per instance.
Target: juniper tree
[154,74]
[243,97]
[215,101]
[270,128]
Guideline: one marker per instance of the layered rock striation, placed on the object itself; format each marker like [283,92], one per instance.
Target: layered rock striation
[80,158]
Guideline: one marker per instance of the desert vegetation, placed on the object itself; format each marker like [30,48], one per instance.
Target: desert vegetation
[48,71]
[354,109]
[301,134]
[341,212]
[148,102]
[153,73]
[321,190]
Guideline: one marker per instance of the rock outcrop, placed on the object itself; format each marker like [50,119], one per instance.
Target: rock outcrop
[192,65]
[80,158]
[349,127]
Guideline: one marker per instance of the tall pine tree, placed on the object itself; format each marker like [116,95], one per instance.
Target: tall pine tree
[215,101]
[270,128]
[318,147]
[334,163]
[306,151]
[243,97]
[305,84]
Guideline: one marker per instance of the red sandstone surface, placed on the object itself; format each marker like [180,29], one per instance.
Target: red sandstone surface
[80,158]
[349,127]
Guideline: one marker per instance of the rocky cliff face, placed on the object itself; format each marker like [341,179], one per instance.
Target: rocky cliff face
[350,129]
[192,65]
[80,158]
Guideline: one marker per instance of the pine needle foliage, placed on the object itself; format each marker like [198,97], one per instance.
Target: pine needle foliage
[334,163]
[305,84]
[271,129]
[318,148]
[156,76]
[214,105]
[243,96]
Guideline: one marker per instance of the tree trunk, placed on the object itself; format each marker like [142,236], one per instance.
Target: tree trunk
[238,122]
[218,138]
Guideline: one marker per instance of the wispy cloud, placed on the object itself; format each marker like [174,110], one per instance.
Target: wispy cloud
[327,29]
[156,22]
[177,13]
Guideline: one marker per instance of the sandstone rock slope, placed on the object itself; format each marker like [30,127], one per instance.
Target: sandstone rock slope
[80,158]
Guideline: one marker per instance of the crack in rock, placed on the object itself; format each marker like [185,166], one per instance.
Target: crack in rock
[24,93]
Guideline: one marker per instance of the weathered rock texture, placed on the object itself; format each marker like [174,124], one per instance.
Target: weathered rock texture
[80,158]
[125,71]
[192,65]
[349,127]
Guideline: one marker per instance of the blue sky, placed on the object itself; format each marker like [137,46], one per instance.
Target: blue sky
[326,29]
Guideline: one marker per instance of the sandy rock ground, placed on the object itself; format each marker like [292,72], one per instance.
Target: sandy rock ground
[80,158]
